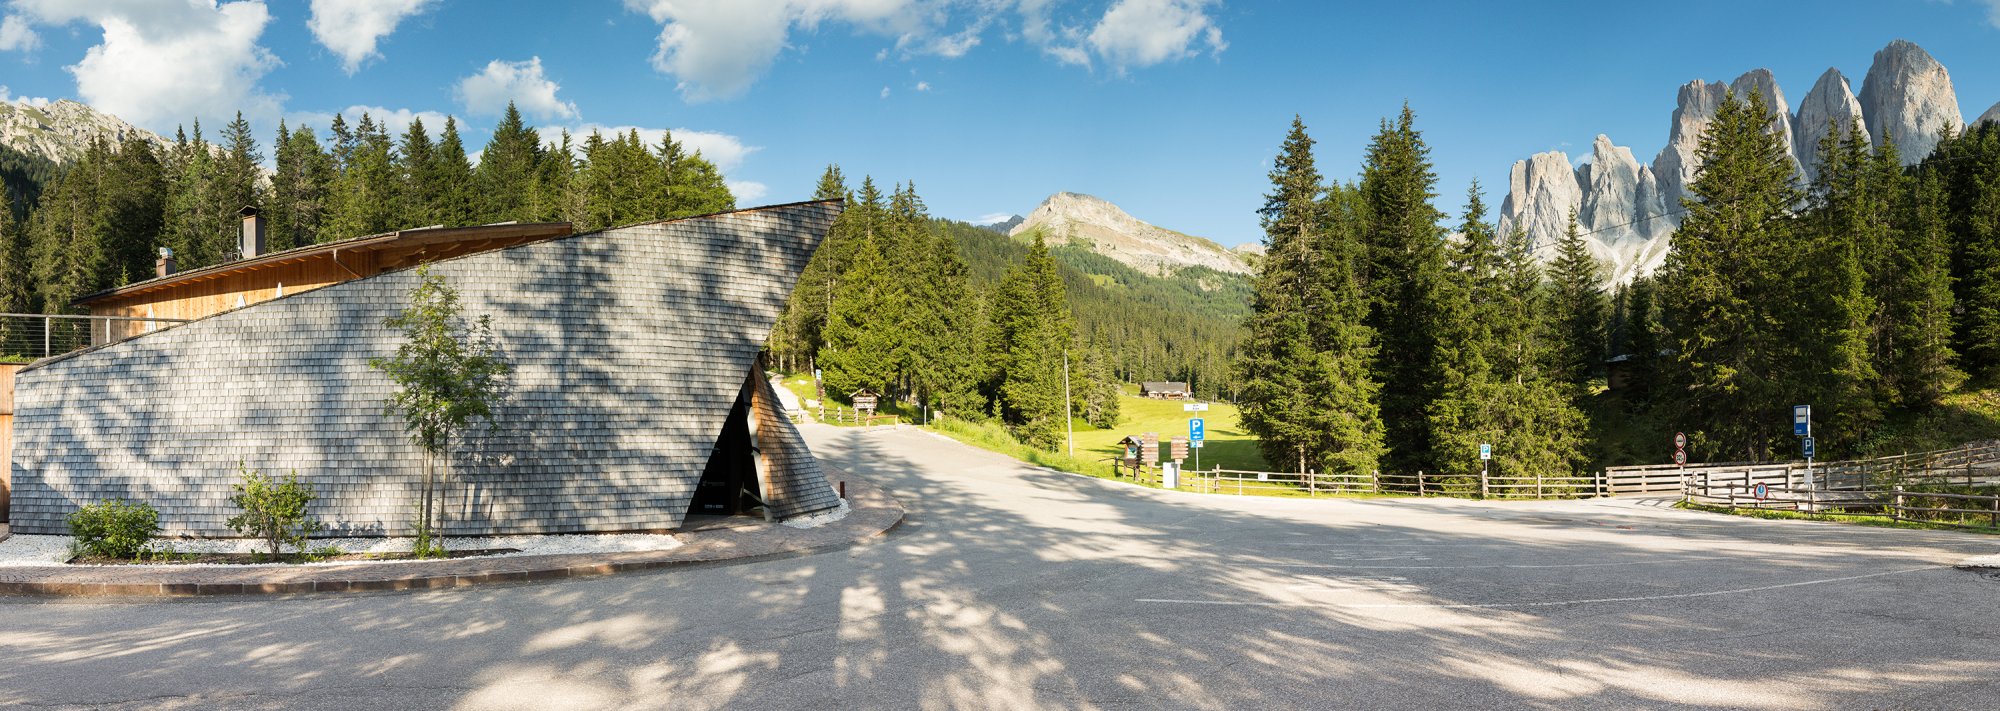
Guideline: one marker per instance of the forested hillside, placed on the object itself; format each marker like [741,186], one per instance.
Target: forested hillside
[98,223]
[1871,292]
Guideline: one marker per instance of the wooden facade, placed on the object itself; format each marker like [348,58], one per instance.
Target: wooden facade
[6,435]
[200,293]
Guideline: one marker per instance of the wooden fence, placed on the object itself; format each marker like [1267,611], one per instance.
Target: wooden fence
[1972,465]
[1313,483]
[1949,505]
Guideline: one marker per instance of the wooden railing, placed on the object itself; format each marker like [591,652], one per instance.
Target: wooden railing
[1960,507]
[1972,465]
[1313,483]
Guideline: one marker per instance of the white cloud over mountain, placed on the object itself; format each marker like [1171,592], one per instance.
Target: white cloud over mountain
[716,49]
[523,83]
[351,28]
[159,64]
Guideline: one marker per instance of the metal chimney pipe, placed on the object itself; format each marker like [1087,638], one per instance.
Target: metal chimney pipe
[165,266]
[253,232]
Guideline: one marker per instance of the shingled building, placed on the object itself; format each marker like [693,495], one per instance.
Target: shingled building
[635,396]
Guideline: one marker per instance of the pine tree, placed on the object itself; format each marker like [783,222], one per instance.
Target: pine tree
[1307,393]
[1642,341]
[509,171]
[16,268]
[1406,264]
[130,208]
[1098,403]
[1576,296]
[197,229]
[1913,353]
[1032,322]
[860,338]
[800,330]
[456,204]
[1725,288]
[300,186]
[418,190]
[238,181]
[1967,167]
[694,185]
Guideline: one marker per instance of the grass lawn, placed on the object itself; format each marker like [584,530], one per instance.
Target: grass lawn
[1972,524]
[1227,445]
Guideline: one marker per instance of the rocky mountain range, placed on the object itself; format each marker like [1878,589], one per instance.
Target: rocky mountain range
[1098,225]
[1629,210]
[61,130]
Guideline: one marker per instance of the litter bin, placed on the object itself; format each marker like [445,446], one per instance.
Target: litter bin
[1170,475]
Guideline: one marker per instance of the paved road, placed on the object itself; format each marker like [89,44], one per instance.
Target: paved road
[1011,587]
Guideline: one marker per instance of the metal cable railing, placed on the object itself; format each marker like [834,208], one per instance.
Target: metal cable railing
[31,337]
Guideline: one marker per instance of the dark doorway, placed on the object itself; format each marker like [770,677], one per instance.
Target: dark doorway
[729,483]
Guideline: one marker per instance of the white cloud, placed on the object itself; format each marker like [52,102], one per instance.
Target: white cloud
[923,86]
[716,49]
[992,218]
[15,33]
[395,121]
[523,83]
[352,27]
[885,92]
[163,63]
[7,96]
[1142,33]
[747,192]
[1993,12]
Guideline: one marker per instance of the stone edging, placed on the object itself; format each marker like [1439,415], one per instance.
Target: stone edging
[873,513]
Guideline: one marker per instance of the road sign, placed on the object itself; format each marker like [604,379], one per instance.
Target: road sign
[1801,420]
[1680,457]
[1196,431]
[1485,451]
[1178,449]
[1194,407]
[1680,440]
[1809,446]
[1761,490]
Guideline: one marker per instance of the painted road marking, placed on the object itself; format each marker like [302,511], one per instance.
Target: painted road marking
[1559,603]
[1495,565]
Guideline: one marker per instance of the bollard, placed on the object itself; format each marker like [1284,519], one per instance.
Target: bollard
[1896,512]
[841,489]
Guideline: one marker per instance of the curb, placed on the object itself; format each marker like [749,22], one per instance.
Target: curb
[873,513]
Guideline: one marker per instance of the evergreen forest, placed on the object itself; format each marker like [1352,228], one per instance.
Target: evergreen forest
[1388,336]
[99,222]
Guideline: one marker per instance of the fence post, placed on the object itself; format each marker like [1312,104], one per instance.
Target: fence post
[1538,484]
[1896,512]
[1312,483]
[1482,483]
[47,326]
[1996,512]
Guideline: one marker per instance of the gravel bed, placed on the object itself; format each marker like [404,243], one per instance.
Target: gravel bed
[23,551]
[819,519]
[1984,561]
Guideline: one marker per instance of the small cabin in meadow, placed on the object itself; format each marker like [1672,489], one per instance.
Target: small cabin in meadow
[1164,390]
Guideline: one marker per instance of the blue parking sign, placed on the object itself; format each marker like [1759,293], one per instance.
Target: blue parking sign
[1810,447]
[1195,429]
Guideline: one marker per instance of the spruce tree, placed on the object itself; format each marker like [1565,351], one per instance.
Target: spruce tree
[801,327]
[456,203]
[509,171]
[300,187]
[364,197]
[1032,324]
[1967,167]
[16,268]
[418,190]
[1304,367]
[1725,288]
[1406,263]
[1576,297]
[860,347]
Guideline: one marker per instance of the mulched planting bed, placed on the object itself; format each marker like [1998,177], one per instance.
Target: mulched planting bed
[259,558]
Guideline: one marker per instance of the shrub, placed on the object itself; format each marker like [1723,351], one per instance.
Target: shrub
[274,510]
[115,528]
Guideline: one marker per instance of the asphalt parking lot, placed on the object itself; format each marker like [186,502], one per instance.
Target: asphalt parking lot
[1013,587]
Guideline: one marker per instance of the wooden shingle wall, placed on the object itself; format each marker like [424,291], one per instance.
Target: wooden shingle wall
[628,348]
[791,479]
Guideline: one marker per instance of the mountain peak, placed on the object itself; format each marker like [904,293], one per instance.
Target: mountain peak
[1102,227]
[61,130]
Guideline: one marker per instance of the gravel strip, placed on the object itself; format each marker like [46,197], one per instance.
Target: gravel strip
[1984,561]
[819,519]
[31,551]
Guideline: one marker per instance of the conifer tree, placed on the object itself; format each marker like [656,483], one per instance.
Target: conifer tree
[1406,263]
[1912,349]
[1967,166]
[196,228]
[694,185]
[1642,341]
[1098,404]
[418,190]
[1576,297]
[1032,323]
[300,182]
[510,170]
[364,197]
[1306,388]
[456,203]
[801,327]
[1725,287]
[860,347]
[238,179]
[16,268]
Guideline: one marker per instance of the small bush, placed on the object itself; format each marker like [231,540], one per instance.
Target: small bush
[115,528]
[274,510]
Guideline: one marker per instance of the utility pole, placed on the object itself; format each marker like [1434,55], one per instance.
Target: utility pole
[1069,425]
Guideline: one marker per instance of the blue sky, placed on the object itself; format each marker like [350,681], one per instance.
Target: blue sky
[1171,108]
